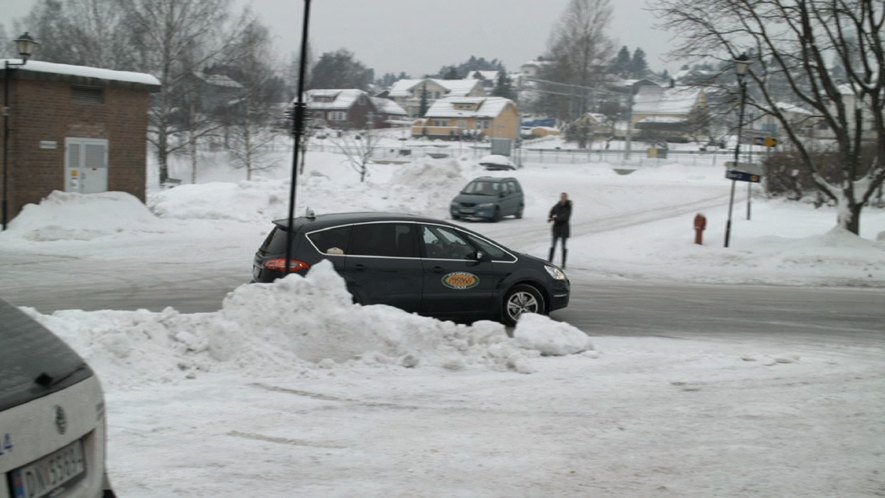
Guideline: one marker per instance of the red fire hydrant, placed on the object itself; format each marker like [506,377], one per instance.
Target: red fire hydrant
[700,224]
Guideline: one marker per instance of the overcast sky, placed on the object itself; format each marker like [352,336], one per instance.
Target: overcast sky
[420,36]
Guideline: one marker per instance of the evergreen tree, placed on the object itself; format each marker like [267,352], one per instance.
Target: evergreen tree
[340,69]
[621,64]
[638,64]
[504,87]
[450,73]
[423,104]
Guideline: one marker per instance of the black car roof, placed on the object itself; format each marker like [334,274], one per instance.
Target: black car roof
[331,219]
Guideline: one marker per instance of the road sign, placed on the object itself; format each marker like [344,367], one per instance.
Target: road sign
[742,176]
[766,141]
[752,168]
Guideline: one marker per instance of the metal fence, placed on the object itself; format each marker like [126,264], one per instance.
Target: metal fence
[529,155]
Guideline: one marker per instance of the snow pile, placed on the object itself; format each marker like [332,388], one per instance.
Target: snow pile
[534,332]
[297,323]
[74,216]
[245,201]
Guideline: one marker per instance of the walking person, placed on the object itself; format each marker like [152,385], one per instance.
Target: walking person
[560,214]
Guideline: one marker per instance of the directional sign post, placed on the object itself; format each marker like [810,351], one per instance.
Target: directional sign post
[742,176]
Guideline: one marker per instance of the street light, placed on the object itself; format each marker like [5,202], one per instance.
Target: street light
[741,68]
[25,46]
[298,129]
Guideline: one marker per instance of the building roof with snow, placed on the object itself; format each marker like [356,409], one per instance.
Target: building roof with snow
[81,74]
[336,99]
[465,107]
[667,101]
[389,107]
[453,88]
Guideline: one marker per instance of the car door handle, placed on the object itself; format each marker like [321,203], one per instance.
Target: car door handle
[438,269]
[359,267]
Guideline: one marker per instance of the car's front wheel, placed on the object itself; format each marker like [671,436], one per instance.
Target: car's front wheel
[497,216]
[521,299]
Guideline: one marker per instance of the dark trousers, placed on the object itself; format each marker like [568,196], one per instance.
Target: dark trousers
[553,248]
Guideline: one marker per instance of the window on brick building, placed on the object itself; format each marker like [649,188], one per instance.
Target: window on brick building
[87,95]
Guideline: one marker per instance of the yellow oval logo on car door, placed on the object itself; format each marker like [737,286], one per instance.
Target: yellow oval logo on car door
[460,280]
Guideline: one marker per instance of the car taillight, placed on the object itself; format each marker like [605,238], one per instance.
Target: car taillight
[279,264]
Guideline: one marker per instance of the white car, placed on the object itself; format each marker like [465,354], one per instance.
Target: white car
[52,415]
[495,162]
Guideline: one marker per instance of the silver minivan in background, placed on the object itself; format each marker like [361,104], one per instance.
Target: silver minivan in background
[488,198]
[52,415]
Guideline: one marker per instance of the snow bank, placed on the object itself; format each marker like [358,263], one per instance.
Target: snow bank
[553,339]
[74,216]
[296,324]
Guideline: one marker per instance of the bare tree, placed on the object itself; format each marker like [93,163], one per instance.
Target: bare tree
[172,39]
[580,52]
[830,55]
[82,32]
[358,147]
[254,112]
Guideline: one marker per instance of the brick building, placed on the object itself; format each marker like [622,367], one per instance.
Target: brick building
[74,129]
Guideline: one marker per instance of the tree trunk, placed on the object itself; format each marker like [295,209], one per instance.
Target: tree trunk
[193,154]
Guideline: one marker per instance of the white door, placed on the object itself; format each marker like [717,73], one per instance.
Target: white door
[86,165]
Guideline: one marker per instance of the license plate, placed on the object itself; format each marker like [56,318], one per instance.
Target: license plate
[467,211]
[50,473]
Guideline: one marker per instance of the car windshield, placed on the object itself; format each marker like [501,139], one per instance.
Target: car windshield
[482,188]
[35,362]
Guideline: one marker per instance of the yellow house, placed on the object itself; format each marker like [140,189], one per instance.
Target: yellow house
[475,117]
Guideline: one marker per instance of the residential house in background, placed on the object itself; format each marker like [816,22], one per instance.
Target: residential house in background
[475,117]
[668,114]
[488,78]
[339,108]
[348,109]
[408,93]
[388,113]
[75,129]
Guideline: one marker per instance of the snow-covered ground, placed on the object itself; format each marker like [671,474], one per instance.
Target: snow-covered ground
[291,390]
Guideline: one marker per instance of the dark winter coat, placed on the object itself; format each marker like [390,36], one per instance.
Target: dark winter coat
[560,215]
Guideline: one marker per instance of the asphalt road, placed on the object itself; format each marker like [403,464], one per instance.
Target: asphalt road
[599,307]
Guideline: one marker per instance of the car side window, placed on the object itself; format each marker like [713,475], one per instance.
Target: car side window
[332,241]
[445,243]
[493,251]
[394,240]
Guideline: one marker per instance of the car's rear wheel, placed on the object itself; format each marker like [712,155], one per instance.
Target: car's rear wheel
[521,299]
[518,214]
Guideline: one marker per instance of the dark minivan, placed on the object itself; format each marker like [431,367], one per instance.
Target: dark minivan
[417,264]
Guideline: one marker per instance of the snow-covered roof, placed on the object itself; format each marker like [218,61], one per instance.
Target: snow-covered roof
[485,107]
[599,118]
[219,80]
[388,107]
[86,72]
[793,109]
[662,120]
[454,88]
[482,75]
[656,100]
[341,98]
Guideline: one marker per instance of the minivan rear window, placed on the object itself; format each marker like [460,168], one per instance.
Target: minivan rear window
[33,361]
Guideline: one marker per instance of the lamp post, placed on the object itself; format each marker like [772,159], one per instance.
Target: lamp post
[741,67]
[298,128]
[25,46]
